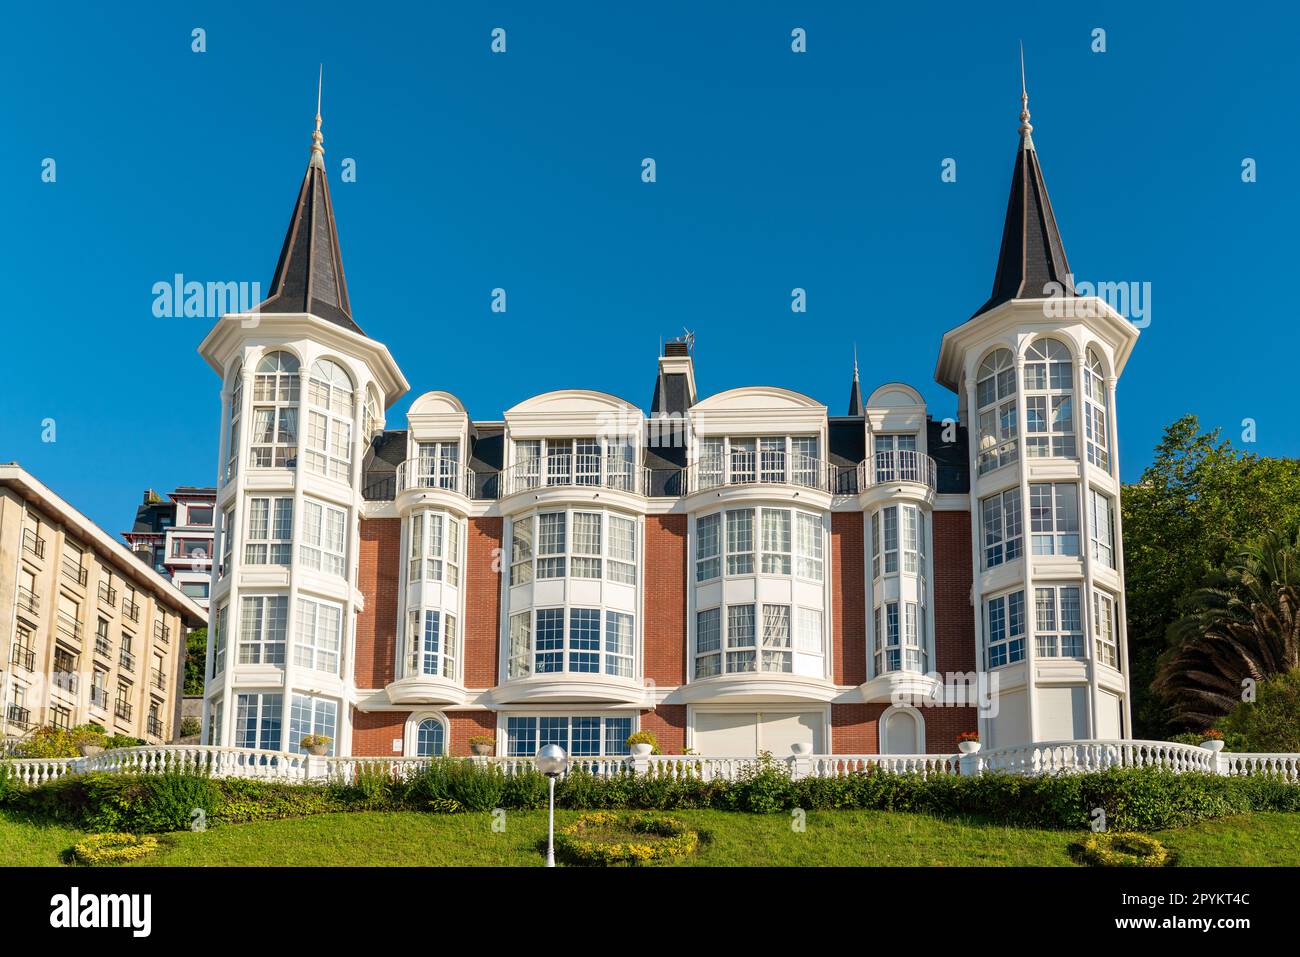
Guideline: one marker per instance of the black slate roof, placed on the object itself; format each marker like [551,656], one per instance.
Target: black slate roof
[309,275]
[1032,253]
[950,458]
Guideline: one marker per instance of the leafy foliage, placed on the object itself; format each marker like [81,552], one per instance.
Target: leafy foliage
[1245,625]
[196,650]
[51,742]
[1199,502]
[101,849]
[1120,849]
[603,838]
[1270,723]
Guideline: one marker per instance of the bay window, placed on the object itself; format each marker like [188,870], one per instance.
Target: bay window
[1005,622]
[319,635]
[312,716]
[274,438]
[1058,622]
[1003,531]
[900,637]
[322,537]
[776,541]
[219,641]
[789,542]
[995,402]
[433,548]
[896,458]
[758,638]
[571,640]
[1049,400]
[431,644]
[439,465]
[579,735]
[1101,528]
[262,622]
[708,643]
[236,413]
[886,524]
[1094,412]
[708,546]
[329,421]
[740,540]
[577,544]
[258,718]
[1054,518]
[1103,629]
[268,539]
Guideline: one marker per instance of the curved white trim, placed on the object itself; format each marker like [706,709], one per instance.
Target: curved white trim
[758,687]
[410,731]
[436,402]
[722,400]
[917,399]
[571,686]
[588,400]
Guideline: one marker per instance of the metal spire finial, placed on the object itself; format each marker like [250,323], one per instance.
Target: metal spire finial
[855,362]
[1026,128]
[317,138]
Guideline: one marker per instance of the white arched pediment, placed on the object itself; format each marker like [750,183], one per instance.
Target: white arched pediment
[570,402]
[437,403]
[895,395]
[757,399]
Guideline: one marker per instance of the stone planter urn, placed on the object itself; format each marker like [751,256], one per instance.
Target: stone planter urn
[481,749]
[1213,744]
[968,747]
[90,750]
[319,750]
[642,750]
[801,749]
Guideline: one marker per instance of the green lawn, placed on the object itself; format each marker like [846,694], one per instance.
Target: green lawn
[854,838]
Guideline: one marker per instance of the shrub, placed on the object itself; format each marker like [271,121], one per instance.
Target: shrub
[476,787]
[763,789]
[11,788]
[1120,849]
[1270,723]
[370,788]
[103,849]
[242,800]
[526,790]
[429,782]
[190,726]
[123,741]
[603,838]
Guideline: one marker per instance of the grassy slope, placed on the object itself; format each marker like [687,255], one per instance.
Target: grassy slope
[831,838]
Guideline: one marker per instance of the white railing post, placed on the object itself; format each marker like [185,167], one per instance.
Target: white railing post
[317,767]
[971,765]
[640,764]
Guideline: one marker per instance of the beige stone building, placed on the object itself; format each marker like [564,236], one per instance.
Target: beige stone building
[92,633]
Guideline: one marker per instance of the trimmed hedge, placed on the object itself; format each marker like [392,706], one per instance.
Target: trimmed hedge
[1133,799]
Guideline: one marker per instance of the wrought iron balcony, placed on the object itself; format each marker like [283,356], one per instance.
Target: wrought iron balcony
[131,610]
[74,572]
[69,628]
[446,474]
[763,467]
[161,632]
[33,544]
[569,470]
[158,680]
[126,660]
[107,594]
[103,647]
[99,697]
[28,601]
[898,465]
[123,709]
[156,727]
[19,716]
[22,657]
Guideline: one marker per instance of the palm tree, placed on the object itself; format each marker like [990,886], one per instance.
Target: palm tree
[1246,625]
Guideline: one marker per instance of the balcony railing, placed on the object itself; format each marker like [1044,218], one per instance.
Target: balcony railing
[19,716]
[158,680]
[74,572]
[899,465]
[69,627]
[131,610]
[775,467]
[28,601]
[65,675]
[99,697]
[567,470]
[22,657]
[33,544]
[126,660]
[446,474]
[103,647]
[123,709]
[156,727]
[107,594]
[161,632]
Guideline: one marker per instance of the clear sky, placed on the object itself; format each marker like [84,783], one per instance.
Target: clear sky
[522,171]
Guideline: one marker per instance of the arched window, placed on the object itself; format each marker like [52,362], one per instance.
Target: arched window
[329,421]
[1049,400]
[373,414]
[430,739]
[1094,412]
[232,432]
[274,442]
[995,403]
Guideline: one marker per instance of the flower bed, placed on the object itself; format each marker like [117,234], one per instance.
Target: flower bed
[101,849]
[604,838]
[1121,849]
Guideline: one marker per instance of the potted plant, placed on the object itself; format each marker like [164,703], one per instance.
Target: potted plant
[88,741]
[968,742]
[317,744]
[643,744]
[800,748]
[1213,740]
[482,745]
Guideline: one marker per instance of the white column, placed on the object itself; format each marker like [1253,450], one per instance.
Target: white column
[1022,465]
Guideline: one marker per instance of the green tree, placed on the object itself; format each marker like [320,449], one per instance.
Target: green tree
[1246,625]
[1198,503]
[196,649]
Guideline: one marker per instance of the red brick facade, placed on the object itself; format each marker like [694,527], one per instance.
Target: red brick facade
[954,620]
[378,578]
[665,599]
[482,626]
[848,599]
[668,724]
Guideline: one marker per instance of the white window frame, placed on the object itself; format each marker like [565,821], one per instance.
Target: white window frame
[275,394]
[274,544]
[1049,383]
[996,413]
[1052,639]
[324,538]
[1101,527]
[317,645]
[267,647]
[1105,630]
[1005,646]
[1055,531]
[331,395]
[1002,522]
[1095,428]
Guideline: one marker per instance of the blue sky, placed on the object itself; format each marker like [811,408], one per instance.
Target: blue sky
[522,171]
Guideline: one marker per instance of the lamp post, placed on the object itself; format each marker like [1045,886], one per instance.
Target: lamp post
[551,761]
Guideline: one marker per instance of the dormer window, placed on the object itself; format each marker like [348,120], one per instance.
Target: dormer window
[597,462]
[771,459]
[439,465]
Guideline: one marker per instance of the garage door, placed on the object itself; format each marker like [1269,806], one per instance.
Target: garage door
[744,734]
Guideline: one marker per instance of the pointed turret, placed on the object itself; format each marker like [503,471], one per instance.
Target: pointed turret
[856,406]
[1032,253]
[309,276]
